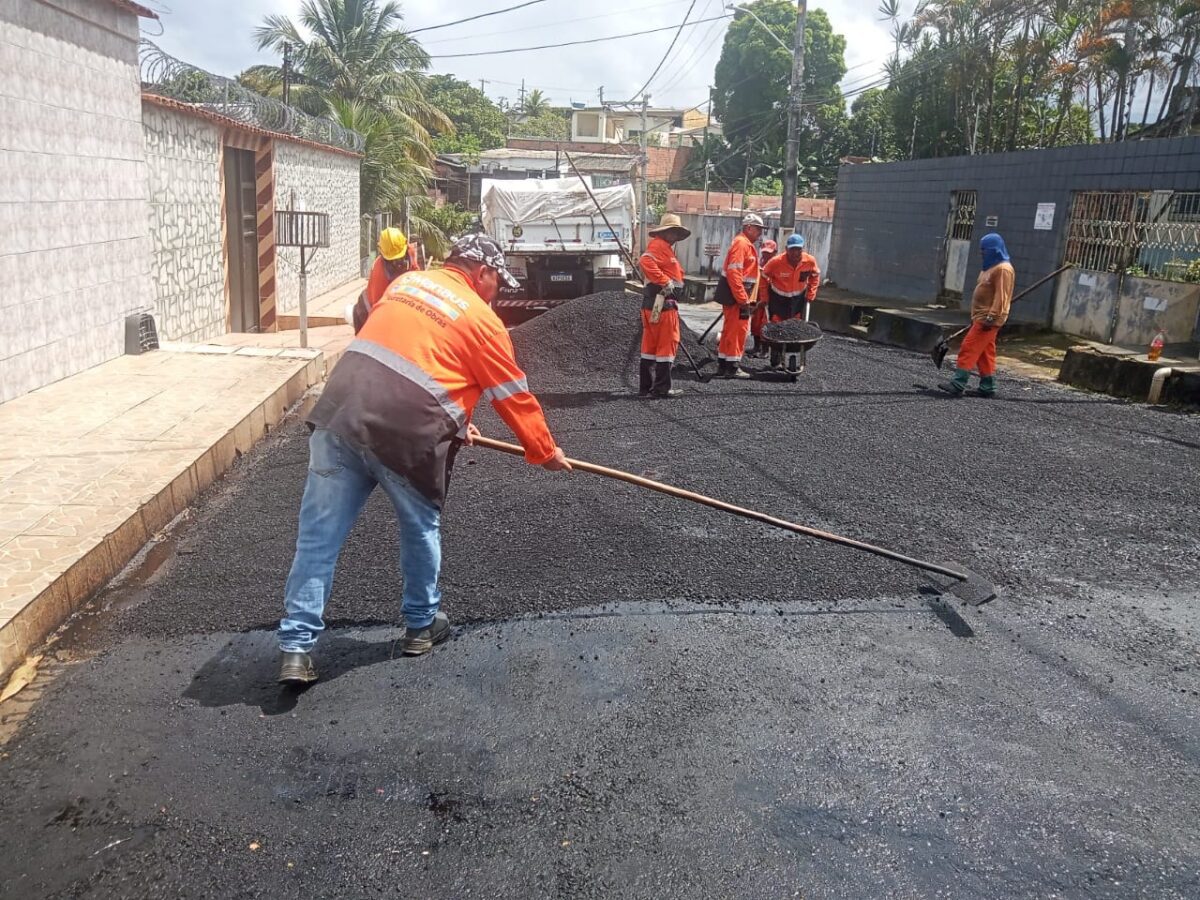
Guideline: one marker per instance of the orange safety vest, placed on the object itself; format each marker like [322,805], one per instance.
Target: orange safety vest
[741,268]
[659,263]
[408,384]
[787,280]
[385,271]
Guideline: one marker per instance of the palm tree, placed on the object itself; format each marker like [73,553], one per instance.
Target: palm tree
[354,64]
[536,103]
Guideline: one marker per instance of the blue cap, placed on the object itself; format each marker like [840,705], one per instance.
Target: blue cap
[795,240]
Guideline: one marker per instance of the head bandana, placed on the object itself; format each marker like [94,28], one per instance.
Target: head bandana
[994,250]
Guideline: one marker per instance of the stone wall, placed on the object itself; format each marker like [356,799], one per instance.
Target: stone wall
[319,181]
[75,253]
[183,157]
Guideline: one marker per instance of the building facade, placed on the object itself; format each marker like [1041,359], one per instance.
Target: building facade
[118,201]
[74,214]
[1121,214]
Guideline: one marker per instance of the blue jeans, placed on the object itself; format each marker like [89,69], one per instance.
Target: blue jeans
[340,479]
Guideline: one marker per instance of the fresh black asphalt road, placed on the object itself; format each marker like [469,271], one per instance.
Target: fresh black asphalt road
[647,699]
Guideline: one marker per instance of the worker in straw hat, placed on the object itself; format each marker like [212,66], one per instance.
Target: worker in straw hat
[737,291]
[660,307]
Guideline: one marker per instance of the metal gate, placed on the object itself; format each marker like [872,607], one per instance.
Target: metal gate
[960,226]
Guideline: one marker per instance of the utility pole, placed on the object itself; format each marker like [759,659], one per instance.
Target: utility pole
[707,161]
[645,175]
[787,215]
[746,182]
[522,107]
[482,89]
[601,92]
[287,74]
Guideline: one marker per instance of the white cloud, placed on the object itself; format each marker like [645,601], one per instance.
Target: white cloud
[218,36]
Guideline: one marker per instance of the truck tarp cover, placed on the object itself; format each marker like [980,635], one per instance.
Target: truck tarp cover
[527,202]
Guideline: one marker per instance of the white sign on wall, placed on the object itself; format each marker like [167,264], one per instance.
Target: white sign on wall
[1154,304]
[1044,220]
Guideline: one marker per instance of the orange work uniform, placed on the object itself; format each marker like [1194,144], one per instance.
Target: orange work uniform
[407,385]
[759,317]
[385,271]
[740,272]
[991,301]
[660,340]
[791,286]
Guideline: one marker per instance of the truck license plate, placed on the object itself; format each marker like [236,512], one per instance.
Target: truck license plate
[560,276]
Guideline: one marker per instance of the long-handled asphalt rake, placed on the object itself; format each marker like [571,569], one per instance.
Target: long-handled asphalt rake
[938,353]
[969,587]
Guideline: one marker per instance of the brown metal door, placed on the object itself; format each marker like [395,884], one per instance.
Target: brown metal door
[241,242]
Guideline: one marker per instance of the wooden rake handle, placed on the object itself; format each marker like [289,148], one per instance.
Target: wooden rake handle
[680,493]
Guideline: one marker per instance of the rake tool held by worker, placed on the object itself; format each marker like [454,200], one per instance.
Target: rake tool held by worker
[969,587]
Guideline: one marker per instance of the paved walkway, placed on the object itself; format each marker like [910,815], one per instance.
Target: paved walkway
[327,309]
[92,467]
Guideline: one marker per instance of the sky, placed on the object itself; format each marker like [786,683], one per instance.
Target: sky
[217,35]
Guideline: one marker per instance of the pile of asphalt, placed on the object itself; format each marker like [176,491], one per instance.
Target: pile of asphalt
[591,343]
[792,331]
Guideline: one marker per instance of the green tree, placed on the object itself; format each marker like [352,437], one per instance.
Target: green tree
[871,130]
[535,104]
[752,82]
[550,125]
[353,62]
[478,123]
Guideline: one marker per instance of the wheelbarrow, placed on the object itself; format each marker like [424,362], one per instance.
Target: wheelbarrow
[790,341]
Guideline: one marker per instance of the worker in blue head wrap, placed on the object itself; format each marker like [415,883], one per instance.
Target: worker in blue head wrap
[989,310]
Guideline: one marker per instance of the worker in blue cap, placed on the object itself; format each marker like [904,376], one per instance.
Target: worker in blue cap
[989,311]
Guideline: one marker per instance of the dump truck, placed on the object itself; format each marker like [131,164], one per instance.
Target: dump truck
[556,241]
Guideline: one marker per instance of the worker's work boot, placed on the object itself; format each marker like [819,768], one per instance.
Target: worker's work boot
[957,385]
[667,394]
[418,641]
[296,668]
[987,386]
[722,368]
[736,371]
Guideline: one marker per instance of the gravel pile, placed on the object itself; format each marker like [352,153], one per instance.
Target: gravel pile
[591,343]
[791,331]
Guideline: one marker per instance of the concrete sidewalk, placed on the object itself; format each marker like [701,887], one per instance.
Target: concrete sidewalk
[92,467]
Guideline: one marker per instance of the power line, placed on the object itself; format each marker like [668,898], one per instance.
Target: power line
[554,23]
[494,12]
[611,37]
[686,15]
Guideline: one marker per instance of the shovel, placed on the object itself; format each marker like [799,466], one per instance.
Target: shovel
[938,353]
[969,587]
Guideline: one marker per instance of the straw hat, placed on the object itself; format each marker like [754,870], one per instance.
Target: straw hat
[670,221]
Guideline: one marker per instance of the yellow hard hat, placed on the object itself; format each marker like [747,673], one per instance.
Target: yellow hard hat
[392,243]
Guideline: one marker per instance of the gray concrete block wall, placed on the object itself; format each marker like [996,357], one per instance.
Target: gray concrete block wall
[74,225]
[890,221]
[183,158]
[322,181]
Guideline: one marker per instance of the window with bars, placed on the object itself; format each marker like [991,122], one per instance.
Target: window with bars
[962,214]
[1148,233]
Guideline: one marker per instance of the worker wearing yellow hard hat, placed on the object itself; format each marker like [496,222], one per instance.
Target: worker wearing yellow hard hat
[396,256]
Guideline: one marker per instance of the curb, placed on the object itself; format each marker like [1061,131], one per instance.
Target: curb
[79,582]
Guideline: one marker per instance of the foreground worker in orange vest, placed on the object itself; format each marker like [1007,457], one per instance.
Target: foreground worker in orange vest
[737,291]
[392,415]
[759,318]
[989,311]
[792,282]
[660,307]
